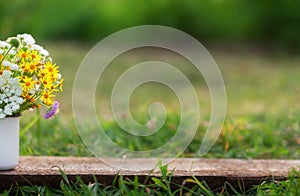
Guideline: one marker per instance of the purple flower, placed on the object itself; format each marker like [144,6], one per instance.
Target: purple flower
[53,110]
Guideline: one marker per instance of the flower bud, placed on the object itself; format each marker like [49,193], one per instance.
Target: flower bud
[14,42]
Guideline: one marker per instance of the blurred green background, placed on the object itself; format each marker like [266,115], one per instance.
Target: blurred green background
[255,43]
[272,23]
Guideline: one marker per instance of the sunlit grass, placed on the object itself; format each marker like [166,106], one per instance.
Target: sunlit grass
[262,115]
[262,110]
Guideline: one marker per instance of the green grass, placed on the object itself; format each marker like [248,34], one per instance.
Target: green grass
[291,186]
[253,136]
[262,115]
[262,118]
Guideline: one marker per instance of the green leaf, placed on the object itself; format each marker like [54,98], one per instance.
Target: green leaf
[159,183]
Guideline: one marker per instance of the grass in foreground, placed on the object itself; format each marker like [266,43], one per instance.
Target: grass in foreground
[291,186]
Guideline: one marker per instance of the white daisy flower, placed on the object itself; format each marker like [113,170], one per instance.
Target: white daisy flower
[4,44]
[27,38]
[14,66]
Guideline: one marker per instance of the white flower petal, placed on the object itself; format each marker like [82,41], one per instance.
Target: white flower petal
[27,38]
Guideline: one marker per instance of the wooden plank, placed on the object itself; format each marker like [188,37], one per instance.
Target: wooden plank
[44,170]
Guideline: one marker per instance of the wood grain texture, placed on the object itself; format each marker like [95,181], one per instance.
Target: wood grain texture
[42,170]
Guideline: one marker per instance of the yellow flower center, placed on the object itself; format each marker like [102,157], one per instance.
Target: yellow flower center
[32,66]
[23,55]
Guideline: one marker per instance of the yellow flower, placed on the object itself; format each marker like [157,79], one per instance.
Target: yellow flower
[27,83]
[47,97]
[34,56]
[56,86]
[46,82]
[51,70]
[33,67]
[24,66]
[60,84]
[23,54]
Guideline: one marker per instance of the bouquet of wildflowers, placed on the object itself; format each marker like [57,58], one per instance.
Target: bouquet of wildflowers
[28,78]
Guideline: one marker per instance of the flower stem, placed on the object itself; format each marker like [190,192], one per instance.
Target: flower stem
[5,55]
[39,128]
